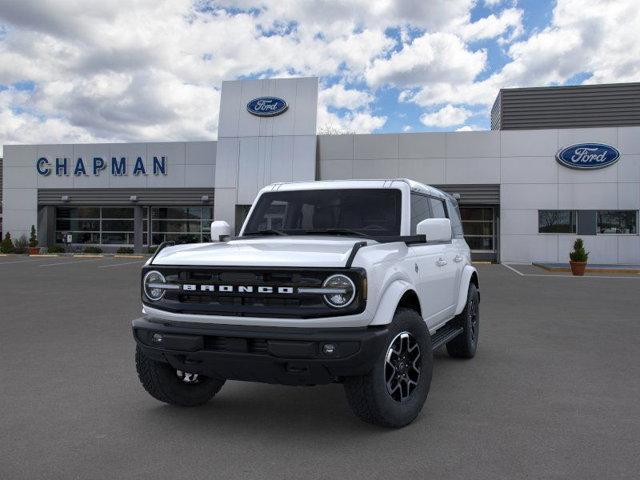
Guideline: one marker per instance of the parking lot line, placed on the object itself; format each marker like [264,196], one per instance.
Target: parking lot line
[121,264]
[69,263]
[21,261]
[617,277]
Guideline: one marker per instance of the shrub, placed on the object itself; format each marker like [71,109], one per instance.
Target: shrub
[92,249]
[124,250]
[56,249]
[579,254]
[21,244]
[33,239]
[7,244]
[153,249]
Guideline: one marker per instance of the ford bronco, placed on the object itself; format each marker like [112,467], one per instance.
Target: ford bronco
[355,282]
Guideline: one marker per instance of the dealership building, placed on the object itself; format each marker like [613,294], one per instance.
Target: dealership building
[559,162]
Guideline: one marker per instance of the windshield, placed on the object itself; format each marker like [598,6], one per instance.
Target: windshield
[360,212]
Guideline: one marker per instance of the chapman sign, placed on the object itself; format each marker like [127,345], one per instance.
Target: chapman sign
[95,166]
[267,106]
[588,156]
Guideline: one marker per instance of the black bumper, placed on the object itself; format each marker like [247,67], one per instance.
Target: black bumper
[289,356]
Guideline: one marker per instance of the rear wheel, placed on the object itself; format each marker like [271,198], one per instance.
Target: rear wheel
[466,344]
[393,392]
[173,386]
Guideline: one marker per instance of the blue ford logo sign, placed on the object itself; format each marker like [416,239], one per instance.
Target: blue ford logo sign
[588,156]
[267,106]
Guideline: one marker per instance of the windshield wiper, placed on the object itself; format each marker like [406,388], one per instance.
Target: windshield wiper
[338,231]
[268,231]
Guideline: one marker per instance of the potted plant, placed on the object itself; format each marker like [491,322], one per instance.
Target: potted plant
[33,242]
[578,258]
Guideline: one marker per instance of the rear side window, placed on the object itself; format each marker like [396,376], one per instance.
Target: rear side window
[437,208]
[419,210]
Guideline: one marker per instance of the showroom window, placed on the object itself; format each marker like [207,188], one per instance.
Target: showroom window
[95,225]
[557,221]
[181,224]
[479,228]
[618,222]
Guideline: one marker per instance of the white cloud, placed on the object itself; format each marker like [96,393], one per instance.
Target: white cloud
[338,96]
[509,20]
[469,128]
[407,128]
[447,116]
[432,57]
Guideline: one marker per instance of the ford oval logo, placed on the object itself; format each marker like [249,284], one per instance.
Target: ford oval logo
[588,156]
[267,106]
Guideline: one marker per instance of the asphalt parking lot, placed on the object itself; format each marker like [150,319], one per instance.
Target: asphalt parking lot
[554,391]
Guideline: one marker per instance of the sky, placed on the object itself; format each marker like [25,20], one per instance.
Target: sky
[77,71]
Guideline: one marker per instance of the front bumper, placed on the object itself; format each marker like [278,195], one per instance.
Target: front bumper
[289,356]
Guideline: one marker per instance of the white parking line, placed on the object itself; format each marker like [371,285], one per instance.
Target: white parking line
[513,270]
[121,264]
[69,263]
[566,276]
[23,261]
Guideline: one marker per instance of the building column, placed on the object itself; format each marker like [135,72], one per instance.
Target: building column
[46,228]
[137,229]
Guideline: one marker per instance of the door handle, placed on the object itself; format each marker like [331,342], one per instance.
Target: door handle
[441,262]
[458,258]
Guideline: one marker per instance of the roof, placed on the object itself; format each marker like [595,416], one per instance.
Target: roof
[356,183]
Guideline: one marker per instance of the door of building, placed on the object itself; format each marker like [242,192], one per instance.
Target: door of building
[480,225]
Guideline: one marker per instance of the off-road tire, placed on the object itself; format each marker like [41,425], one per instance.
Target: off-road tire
[160,380]
[466,344]
[367,395]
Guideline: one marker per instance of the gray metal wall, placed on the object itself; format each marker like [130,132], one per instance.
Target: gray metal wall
[567,107]
[122,196]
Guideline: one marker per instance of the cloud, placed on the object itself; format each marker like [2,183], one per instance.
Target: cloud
[509,20]
[447,116]
[338,96]
[469,128]
[432,57]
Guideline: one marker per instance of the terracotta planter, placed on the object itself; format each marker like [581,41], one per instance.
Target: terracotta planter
[34,250]
[578,268]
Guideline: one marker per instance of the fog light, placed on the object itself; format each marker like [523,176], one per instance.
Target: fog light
[328,348]
[157,338]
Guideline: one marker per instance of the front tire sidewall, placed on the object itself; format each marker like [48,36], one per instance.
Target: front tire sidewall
[368,395]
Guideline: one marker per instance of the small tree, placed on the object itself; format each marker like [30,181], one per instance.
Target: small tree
[7,244]
[20,245]
[579,254]
[33,239]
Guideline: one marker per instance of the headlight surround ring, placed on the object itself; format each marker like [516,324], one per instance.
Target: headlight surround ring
[339,281]
[153,294]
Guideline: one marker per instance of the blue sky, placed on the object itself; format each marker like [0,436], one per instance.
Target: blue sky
[77,71]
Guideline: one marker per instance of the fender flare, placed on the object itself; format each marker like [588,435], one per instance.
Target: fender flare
[389,301]
[467,273]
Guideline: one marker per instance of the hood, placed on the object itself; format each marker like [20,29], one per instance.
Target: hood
[272,251]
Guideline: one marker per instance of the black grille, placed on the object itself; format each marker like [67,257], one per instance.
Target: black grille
[256,304]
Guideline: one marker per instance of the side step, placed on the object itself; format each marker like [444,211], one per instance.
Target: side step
[444,335]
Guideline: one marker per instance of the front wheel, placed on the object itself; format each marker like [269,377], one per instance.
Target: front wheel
[172,386]
[393,392]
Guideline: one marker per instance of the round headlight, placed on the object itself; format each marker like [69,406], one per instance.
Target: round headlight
[344,291]
[150,282]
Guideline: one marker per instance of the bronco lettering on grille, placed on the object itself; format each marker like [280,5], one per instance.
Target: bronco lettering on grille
[189,287]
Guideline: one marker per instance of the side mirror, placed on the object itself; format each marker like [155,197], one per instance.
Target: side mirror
[219,229]
[435,229]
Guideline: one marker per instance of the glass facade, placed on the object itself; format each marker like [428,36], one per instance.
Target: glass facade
[115,225]
[181,224]
[479,228]
[556,221]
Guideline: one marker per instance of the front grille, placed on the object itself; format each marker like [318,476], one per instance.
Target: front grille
[254,304]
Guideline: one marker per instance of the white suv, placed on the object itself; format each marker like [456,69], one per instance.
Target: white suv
[354,282]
